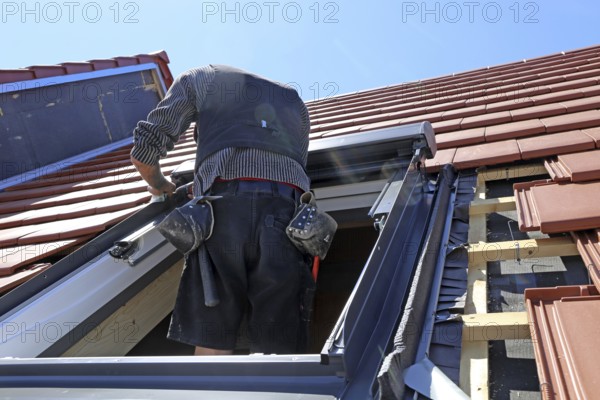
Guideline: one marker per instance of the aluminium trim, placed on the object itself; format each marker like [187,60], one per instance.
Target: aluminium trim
[31,330]
[69,78]
[418,130]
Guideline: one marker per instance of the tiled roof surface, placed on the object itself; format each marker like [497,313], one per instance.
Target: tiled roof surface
[545,109]
[529,109]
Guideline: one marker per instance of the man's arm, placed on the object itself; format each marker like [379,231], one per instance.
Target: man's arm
[158,134]
[157,183]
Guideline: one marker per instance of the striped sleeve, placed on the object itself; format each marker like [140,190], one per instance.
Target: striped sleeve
[158,134]
[305,117]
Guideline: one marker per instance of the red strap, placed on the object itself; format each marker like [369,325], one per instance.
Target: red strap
[315,268]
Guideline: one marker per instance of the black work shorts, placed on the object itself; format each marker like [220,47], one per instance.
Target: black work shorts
[257,269]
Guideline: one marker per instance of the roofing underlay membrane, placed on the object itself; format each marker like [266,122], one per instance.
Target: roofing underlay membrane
[542,110]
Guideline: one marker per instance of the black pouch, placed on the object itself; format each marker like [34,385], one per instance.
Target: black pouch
[311,230]
[188,226]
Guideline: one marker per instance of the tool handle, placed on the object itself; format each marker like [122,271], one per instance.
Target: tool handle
[211,297]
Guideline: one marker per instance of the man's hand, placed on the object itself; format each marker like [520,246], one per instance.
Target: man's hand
[157,183]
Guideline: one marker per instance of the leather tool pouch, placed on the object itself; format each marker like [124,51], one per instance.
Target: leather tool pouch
[188,226]
[311,230]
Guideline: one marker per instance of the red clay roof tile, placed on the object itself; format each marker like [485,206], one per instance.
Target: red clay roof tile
[486,154]
[22,275]
[442,157]
[381,125]
[538,111]
[558,143]
[72,228]
[554,97]
[594,133]
[17,257]
[578,83]
[584,119]
[556,170]
[511,104]
[464,112]
[527,214]
[486,120]
[446,126]
[514,130]
[583,211]
[460,138]
[563,321]
[588,245]
[581,167]
[583,104]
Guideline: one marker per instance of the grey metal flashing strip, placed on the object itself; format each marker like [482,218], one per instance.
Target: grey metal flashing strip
[436,283]
[144,394]
[278,373]
[407,337]
[60,79]
[368,321]
[59,165]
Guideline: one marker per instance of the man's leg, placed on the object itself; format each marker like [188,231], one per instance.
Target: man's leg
[205,351]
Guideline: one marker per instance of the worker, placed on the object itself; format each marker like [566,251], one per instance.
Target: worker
[252,144]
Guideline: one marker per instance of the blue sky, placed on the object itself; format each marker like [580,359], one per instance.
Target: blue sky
[322,47]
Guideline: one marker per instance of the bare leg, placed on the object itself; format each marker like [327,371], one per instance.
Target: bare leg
[205,351]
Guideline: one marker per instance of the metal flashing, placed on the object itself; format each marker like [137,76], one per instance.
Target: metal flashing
[57,80]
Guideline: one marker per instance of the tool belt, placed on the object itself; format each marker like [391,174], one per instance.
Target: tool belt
[311,230]
[188,226]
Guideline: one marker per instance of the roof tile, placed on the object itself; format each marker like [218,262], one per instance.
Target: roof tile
[511,104]
[487,154]
[464,112]
[381,125]
[447,126]
[594,133]
[578,83]
[558,143]
[586,103]
[514,130]
[584,119]
[538,111]
[486,120]
[554,97]
[566,348]
[581,167]
[588,245]
[460,138]
[442,157]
